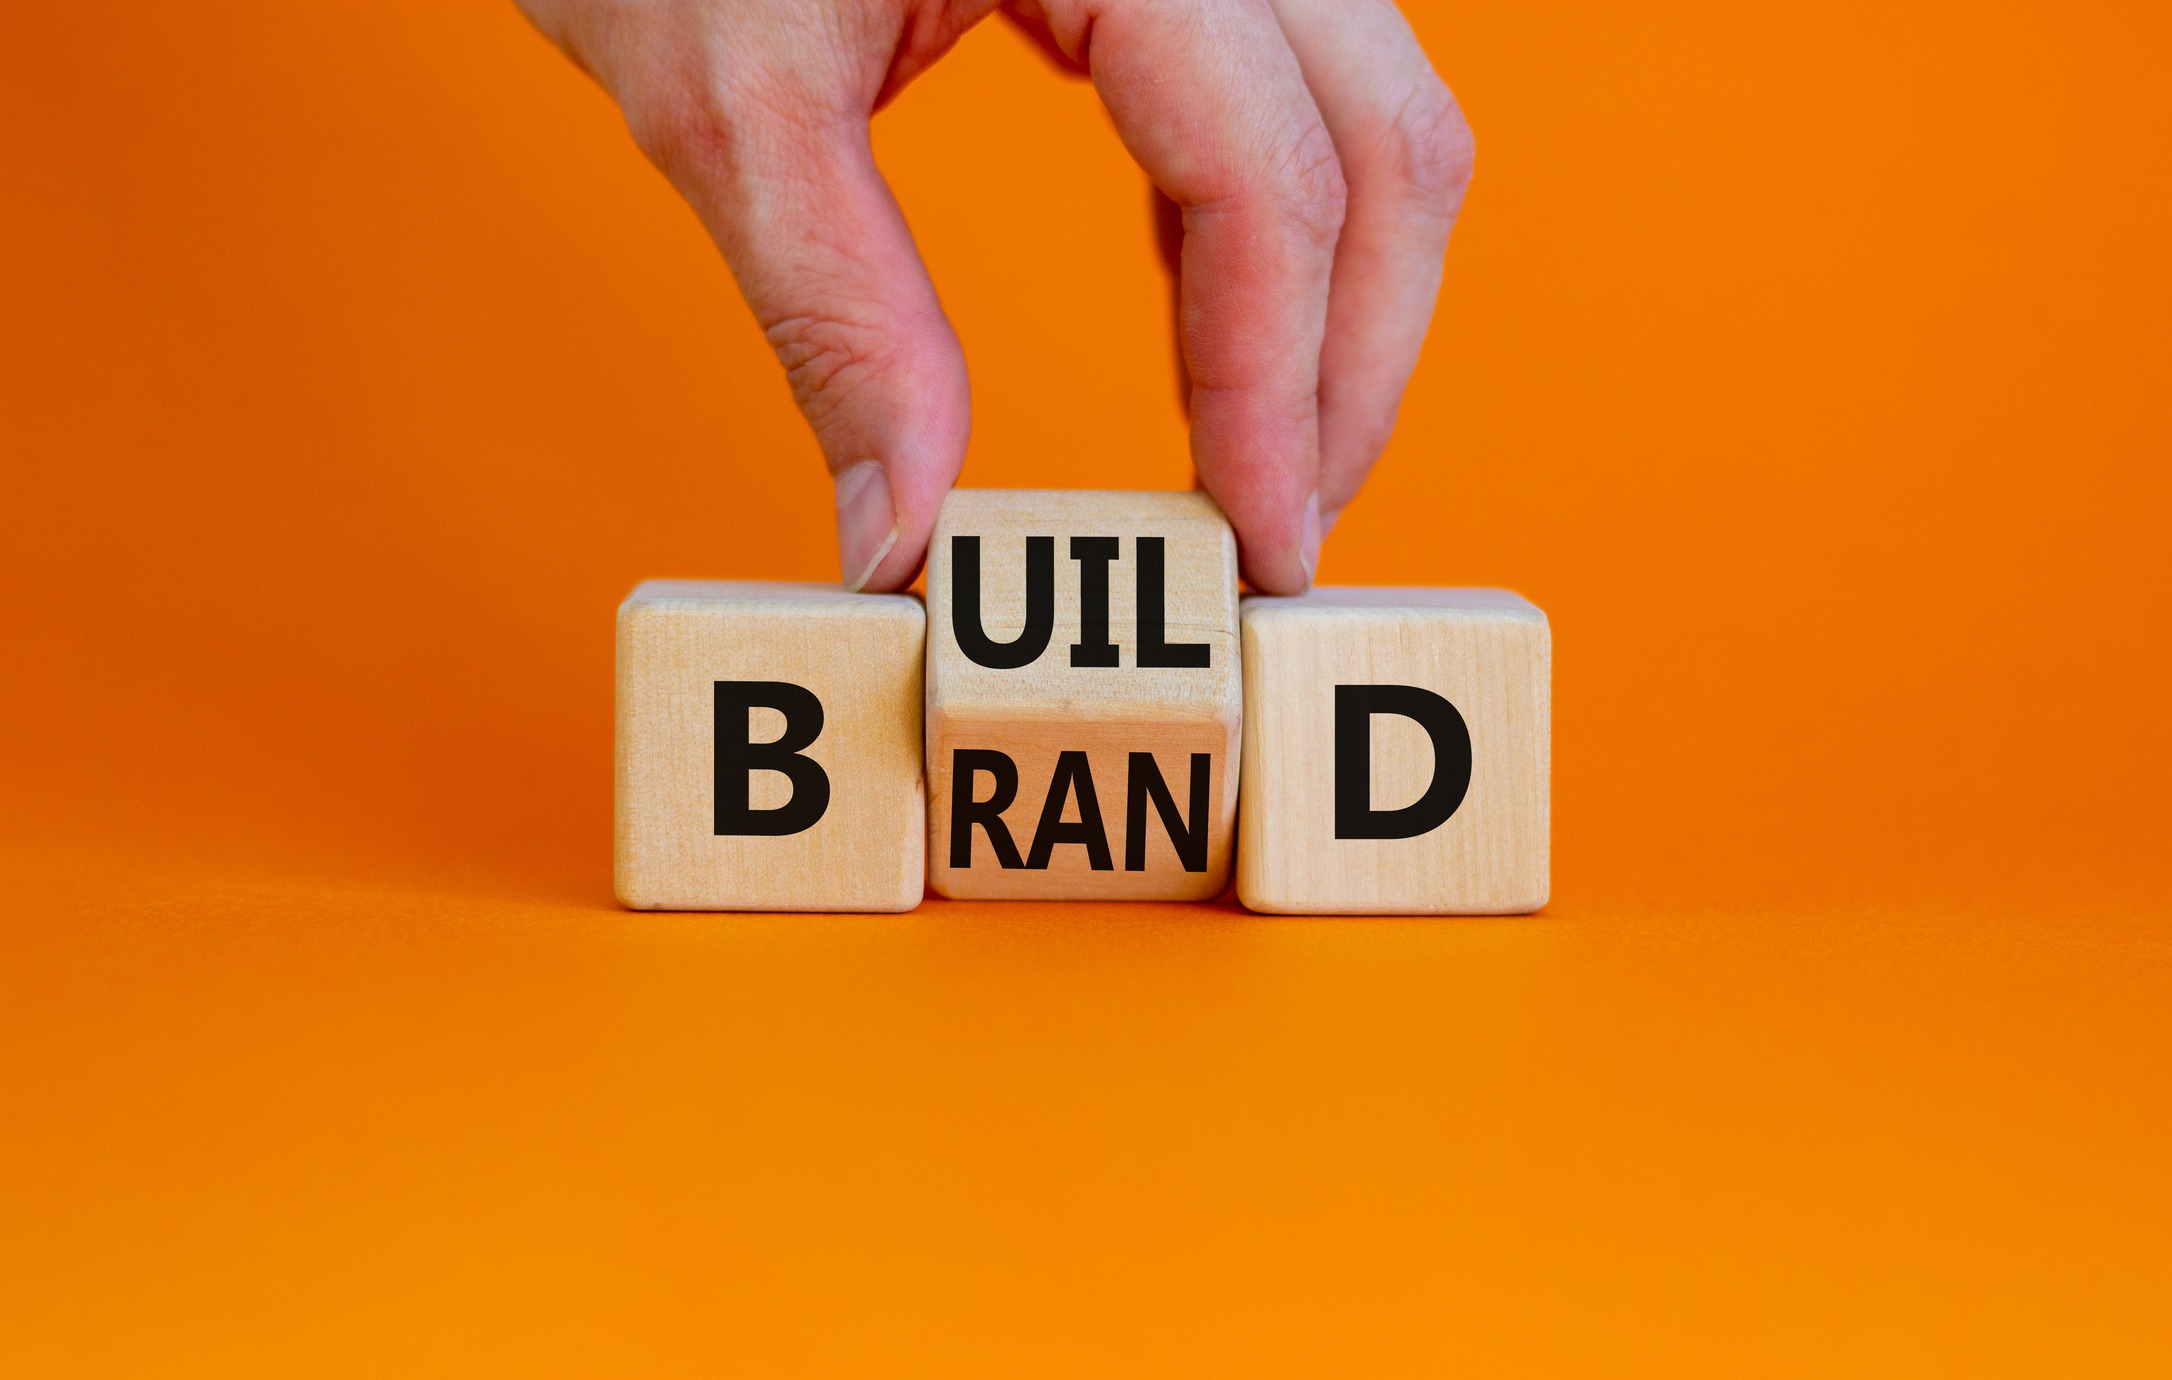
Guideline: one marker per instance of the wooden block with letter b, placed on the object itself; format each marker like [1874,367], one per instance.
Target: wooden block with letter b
[769,748]
[1084,696]
[1397,753]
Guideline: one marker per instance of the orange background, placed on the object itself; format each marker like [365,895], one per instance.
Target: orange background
[1808,364]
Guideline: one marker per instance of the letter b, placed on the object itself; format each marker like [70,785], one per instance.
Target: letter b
[737,759]
[1355,817]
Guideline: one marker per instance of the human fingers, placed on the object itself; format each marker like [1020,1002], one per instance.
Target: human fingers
[1405,153]
[1210,100]
[829,268]
[758,113]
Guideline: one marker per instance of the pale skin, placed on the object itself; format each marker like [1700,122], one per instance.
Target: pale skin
[1311,157]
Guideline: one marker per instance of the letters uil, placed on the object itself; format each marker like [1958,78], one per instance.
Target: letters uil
[1084,696]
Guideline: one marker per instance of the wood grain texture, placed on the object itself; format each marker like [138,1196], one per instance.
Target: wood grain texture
[1037,712]
[860,655]
[1489,653]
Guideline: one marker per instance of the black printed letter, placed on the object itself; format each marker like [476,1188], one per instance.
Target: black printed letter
[737,759]
[1032,639]
[965,812]
[1071,770]
[1355,817]
[1153,623]
[1093,555]
[1189,839]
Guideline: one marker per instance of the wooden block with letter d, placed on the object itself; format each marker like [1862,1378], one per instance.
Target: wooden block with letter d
[769,748]
[1084,696]
[1397,753]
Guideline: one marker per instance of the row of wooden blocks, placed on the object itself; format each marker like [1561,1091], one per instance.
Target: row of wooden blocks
[1084,708]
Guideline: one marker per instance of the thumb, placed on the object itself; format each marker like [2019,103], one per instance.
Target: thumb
[823,256]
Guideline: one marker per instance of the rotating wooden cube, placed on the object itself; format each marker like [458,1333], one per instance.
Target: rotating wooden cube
[1084,696]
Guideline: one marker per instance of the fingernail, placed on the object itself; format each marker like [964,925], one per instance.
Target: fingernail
[866,521]
[1308,550]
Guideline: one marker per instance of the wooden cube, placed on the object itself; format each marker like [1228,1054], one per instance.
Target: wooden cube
[1397,753]
[769,748]
[1084,696]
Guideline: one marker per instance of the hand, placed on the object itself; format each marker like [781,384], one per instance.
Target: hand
[1316,161]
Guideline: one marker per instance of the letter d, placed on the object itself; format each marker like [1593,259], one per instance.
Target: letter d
[1355,817]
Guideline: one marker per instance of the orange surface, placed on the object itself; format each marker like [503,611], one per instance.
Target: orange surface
[1809,365]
